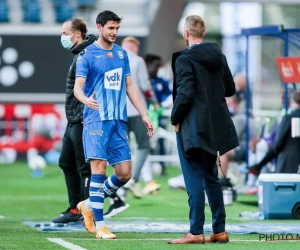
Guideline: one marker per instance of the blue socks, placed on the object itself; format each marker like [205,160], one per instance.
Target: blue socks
[100,188]
[111,185]
[97,195]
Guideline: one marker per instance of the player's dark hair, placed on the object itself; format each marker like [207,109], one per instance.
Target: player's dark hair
[150,58]
[107,15]
[78,23]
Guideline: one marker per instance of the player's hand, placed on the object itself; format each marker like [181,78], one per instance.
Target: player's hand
[149,125]
[92,103]
[177,127]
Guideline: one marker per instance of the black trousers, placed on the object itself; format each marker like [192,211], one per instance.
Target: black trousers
[72,161]
[200,173]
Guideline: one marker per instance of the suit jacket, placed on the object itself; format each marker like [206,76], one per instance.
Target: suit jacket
[202,79]
[285,148]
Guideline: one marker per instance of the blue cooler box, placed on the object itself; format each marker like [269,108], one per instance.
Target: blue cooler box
[279,196]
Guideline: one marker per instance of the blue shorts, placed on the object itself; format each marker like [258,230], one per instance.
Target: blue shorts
[106,140]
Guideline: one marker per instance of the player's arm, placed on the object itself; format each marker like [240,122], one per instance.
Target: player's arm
[79,94]
[134,97]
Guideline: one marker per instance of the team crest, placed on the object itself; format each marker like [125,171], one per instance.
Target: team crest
[120,54]
[110,55]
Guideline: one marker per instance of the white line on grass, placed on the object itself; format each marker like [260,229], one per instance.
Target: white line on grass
[166,239]
[69,245]
[65,244]
[154,239]
[1,217]
[167,220]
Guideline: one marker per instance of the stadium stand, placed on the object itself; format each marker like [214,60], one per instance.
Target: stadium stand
[86,2]
[60,2]
[52,13]
[4,11]
[63,12]
[26,2]
[31,11]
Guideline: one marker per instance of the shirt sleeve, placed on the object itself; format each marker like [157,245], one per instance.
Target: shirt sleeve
[126,66]
[282,135]
[185,90]
[142,76]
[82,65]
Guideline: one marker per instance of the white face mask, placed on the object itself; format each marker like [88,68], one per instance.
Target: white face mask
[66,42]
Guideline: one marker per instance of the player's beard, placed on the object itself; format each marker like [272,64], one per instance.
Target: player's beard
[106,40]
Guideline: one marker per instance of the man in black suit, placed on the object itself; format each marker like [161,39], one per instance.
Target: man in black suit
[203,126]
[285,147]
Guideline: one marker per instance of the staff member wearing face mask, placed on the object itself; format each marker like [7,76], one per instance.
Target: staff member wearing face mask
[72,162]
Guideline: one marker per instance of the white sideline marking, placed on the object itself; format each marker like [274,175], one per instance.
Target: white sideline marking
[156,219]
[154,239]
[1,217]
[65,244]
[166,239]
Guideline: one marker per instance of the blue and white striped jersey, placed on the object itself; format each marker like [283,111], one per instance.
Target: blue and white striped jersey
[105,72]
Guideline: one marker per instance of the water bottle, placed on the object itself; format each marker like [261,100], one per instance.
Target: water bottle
[227,197]
[252,215]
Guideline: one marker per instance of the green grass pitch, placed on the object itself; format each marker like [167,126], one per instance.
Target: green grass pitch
[23,198]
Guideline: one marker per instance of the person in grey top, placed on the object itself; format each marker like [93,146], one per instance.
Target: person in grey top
[239,120]
[140,77]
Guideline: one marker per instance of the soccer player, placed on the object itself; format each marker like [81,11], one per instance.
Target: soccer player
[102,81]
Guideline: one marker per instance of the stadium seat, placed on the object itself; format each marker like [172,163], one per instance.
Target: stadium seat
[86,2]
[60,2]
[31,13]
[4,13]
[26,2]
[63,12]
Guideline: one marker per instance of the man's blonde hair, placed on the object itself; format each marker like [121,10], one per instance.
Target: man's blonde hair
[132,40]
[195,25]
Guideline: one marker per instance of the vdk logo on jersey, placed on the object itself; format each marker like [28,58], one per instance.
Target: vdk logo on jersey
[113,78]
[120,54]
